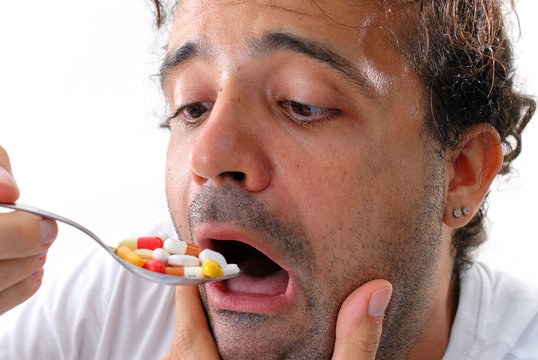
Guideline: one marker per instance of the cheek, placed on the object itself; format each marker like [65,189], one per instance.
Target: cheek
[357,198]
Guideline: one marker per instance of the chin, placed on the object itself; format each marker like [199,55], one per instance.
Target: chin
[261,336]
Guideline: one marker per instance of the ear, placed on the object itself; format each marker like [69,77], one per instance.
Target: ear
[469,172]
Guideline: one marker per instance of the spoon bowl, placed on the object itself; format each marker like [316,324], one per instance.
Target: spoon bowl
[159,278]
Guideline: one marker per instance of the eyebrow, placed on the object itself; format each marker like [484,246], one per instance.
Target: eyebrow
[178,56]
[271,42]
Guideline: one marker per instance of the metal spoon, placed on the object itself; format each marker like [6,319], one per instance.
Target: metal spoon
[146,274]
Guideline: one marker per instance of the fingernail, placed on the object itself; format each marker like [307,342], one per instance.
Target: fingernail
[41,258]
[6,177]
[379,300]
[37,275]
[48,232]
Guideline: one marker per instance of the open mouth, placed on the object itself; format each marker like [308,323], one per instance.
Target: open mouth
[259,276]
[264,285]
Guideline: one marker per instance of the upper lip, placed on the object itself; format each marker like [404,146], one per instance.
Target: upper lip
[206,233]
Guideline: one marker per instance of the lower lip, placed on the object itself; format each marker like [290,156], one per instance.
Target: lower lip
[220,297]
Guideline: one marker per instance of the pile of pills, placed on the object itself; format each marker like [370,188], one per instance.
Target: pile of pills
[174,257]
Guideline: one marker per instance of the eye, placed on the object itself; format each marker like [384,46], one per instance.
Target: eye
[192,113]
[308,113]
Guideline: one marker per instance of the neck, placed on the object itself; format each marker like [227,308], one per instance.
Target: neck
[437,332]
[443,311]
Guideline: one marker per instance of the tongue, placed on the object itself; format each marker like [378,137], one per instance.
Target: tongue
[274,284]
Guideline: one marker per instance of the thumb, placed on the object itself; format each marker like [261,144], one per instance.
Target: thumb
[9,191]
[192,338]
[360,320]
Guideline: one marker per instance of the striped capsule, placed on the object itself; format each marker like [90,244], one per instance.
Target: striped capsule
[146,242]
[212,269]
[129,255]
[191,272]
[178,247]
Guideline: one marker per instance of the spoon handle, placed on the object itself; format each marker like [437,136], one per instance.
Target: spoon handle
[48,214]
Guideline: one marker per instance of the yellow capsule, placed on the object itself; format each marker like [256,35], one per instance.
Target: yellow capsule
[129,255]
[212,269]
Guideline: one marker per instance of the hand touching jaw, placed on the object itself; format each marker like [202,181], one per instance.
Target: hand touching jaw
[358,330]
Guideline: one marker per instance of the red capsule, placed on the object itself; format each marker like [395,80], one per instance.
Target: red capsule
[146,242]
[154,265]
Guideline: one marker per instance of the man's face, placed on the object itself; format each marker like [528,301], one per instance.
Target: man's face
[298,152]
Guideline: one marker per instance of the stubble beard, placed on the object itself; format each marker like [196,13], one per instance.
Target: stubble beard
[416,265]
[303,334]
[309,334]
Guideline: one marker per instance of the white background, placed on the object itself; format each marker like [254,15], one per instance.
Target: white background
[79,116]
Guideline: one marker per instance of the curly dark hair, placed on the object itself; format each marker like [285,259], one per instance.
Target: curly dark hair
[461,52]
[160,14]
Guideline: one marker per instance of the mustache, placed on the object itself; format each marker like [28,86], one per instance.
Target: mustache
[231,204]
[228,204]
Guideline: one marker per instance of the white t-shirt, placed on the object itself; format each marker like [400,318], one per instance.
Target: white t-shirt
[112,314]
[497,318]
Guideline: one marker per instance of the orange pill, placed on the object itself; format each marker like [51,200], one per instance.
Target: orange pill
[178,247]
[193,250]
[129,255]
[192,272]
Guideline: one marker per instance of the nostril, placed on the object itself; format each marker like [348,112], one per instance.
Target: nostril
[234,175]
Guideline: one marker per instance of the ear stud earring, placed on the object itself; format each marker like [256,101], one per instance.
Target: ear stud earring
[465,211]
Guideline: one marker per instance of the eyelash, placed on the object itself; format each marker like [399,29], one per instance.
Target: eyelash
[188,120]
[316,114]
[293,109]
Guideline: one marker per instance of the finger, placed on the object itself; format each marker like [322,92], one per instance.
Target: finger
[192,338]
[16,270]
[16,294]
[23,234]
[360,321]
[9,191]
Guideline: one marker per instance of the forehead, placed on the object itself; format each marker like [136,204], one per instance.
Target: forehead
[325,17]
[359,30]
[307,7]
[339,9]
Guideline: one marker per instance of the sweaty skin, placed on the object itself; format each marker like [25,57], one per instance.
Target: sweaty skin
[320,165]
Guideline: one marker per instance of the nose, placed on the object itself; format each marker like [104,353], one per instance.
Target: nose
[229,148]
